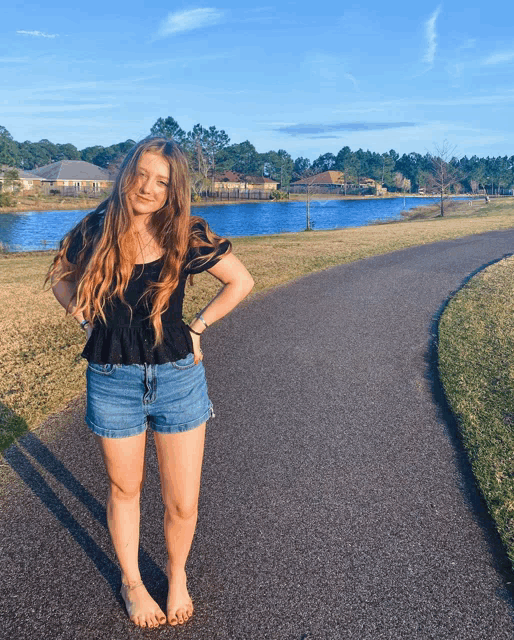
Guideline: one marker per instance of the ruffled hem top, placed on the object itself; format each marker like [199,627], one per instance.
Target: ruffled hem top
[127,338]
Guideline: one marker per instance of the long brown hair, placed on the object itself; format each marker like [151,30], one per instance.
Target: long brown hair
[106,260]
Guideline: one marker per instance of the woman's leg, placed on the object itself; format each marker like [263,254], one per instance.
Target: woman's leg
[180,463]
[124,461]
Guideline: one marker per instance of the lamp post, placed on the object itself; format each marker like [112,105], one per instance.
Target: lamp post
[308,225]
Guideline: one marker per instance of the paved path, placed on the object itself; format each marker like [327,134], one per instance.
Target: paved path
[336,501]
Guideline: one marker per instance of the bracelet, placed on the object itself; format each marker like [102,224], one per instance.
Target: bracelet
[202,319]
[193,331]
[83,324]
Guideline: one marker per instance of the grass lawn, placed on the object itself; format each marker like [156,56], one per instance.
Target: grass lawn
[42,370]
[476,349]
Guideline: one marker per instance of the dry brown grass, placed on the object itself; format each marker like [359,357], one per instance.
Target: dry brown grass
[40,348]
[51,203]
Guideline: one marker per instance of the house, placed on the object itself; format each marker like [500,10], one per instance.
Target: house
[333,182]
[229,180]
[27,180]
[234,180]
[260,182]
[335,178]
[74,176]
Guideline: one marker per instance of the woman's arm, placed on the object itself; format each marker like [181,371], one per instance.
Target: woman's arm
[65,292]
[237,284]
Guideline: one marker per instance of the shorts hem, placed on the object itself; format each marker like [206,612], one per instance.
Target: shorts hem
[186,426]
[115,433]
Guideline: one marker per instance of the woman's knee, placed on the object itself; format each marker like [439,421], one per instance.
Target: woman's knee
[125,491]
[182,509]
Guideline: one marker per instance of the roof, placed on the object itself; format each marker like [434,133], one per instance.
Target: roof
[260,180]
[327,177]
[23,175]
[72,170]
[229,176]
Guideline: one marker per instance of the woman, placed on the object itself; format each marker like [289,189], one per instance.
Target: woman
[121,272]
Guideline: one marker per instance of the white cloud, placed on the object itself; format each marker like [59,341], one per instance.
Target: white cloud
[499,58]
[37,34]
[181,21]
[431,36]
[352,79]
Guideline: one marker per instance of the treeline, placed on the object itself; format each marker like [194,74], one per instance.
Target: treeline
[209,152]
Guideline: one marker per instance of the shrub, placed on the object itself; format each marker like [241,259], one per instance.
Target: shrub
[278,195]
[7,200]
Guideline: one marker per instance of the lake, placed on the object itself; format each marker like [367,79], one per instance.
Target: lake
[30,231]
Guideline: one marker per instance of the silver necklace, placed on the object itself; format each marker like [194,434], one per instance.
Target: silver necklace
[141,248]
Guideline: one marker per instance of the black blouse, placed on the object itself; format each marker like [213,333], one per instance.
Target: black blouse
[125,340]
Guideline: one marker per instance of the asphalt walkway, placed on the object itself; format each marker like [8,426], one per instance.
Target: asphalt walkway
[336,500]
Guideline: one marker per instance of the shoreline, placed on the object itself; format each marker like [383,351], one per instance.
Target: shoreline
[71,204]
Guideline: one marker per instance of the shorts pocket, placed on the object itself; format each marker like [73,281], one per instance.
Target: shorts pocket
[185,363]
[104,369]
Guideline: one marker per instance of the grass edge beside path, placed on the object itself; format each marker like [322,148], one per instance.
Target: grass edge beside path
[42,370]
[476,366]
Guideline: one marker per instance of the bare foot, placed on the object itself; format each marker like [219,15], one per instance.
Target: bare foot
[180,605]
[141,607]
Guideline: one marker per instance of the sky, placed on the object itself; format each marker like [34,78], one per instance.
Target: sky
[307,77]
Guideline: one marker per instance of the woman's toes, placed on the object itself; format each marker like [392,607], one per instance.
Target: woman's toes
[173,620]
[161,618]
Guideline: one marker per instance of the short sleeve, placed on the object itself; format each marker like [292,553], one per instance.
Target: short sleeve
[195,261]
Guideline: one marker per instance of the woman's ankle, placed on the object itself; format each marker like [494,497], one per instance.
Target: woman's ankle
[131,582]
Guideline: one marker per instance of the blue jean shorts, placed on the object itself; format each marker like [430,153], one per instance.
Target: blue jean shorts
[122,400]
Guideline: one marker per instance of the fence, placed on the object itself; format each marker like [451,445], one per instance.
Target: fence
[72,192]
[236,194]
[335,189]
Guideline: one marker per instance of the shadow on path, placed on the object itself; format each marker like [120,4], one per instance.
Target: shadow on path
[19,455]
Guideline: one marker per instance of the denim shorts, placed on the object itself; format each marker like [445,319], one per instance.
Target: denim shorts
[122,400]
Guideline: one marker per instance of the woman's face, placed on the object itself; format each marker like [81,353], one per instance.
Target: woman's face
[151,189]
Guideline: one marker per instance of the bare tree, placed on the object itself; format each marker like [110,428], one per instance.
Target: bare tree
[444,174]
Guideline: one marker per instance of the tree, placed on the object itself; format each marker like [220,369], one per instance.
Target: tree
[444,172]
[242,158]
[194,145]
[325,162]
[67,152]
[214,141]
[279,166]
[11,181]
[300,167]
[168,128]
[8,148]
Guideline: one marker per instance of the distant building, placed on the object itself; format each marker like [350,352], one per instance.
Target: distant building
[326,178]
[73,176]
[27,180]
[234,180]
[333,182]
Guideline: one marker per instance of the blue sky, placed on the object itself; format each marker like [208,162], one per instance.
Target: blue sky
[303,76]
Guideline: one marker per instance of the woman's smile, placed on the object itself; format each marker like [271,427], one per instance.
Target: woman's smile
[151,189]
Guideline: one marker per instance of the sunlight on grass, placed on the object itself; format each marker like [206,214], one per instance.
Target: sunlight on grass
[40,349]
[476,349]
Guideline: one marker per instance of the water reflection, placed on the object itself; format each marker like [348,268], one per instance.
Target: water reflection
[30,231]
